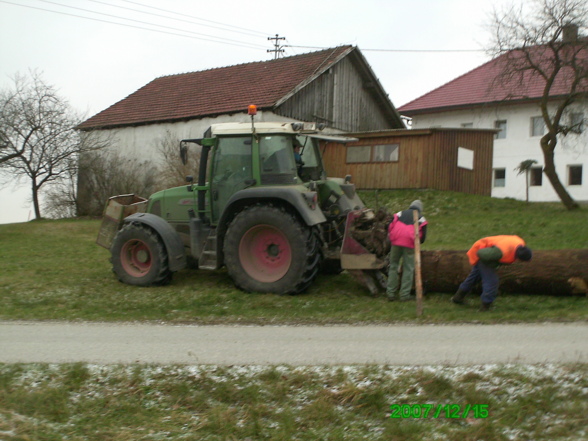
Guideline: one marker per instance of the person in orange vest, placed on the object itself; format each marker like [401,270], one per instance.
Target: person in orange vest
[485,256]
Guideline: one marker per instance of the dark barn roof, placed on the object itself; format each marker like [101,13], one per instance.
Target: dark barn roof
[220,91]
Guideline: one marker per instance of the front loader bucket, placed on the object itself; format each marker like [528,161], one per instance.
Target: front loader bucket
[364,266]
[117,208]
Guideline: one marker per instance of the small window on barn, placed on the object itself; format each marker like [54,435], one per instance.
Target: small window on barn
[499,177]
[359,154]
[575,175]
[536,176]
[385,153]
[500,125]
[465,158]
[537,126]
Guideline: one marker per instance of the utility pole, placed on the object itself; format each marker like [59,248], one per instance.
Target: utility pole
[277,48]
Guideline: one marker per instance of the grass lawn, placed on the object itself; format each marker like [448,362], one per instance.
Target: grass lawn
[52,270]
[123,403]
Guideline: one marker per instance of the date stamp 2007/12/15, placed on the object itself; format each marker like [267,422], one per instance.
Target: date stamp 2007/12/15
[439,411]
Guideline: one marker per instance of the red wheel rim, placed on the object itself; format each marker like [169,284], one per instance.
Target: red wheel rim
[135,257]
[265,253]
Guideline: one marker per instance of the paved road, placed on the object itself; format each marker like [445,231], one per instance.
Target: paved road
[106,343]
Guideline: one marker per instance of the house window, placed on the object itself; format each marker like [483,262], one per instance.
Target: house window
[536,176]
[358,154]
[373,153]
[499,177]
[385,153]
[500,125]
[577,122]
[575,175]
[537,126]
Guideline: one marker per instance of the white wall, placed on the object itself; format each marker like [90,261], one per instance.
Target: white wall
[519,146]
[142,141]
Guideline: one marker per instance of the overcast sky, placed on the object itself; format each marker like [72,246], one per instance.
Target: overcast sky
[99,60]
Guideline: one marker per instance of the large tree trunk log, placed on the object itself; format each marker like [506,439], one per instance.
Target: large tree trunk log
[554,272]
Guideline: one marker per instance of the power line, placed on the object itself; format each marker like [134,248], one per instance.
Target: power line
[225,27]
[396,50]
[206,37]
[289,46]
[423,50]
[140,21]
[211,38]
[198,18]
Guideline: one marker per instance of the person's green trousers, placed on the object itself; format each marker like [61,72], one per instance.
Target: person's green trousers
[407,255]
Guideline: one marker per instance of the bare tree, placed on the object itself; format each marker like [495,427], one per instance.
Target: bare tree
[6,154]
[108,173]
[37,130]
[542,45]
[60,201]
[8,150]
[173,171]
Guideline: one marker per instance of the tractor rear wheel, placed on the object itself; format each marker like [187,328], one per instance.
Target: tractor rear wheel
[267,249]
[139,257]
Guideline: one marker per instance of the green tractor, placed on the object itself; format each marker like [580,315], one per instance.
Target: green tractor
[262,207]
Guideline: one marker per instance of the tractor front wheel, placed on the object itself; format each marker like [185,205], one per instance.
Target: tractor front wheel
[267,249]
[139,257]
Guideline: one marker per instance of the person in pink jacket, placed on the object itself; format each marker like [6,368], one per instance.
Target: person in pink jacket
[401,233]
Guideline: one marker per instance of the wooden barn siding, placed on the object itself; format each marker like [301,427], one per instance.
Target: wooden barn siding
[478,180]
[448,176]
[313,103]
[378,174]
[425,161]
[339,97]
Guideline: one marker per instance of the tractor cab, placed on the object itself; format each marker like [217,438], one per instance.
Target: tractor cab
[241,156]
[311,168]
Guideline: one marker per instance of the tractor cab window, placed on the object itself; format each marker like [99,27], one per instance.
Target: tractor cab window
[231,168]
[312,168]
[278,165]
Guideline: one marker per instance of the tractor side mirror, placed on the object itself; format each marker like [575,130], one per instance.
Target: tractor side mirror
[184,153]
[184,147]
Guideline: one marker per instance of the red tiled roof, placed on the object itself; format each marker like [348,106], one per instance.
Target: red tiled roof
[216,91]
[483,85]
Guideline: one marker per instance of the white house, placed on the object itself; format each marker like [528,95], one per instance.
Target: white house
[477,100]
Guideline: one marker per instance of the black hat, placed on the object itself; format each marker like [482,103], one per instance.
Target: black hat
[523,253]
